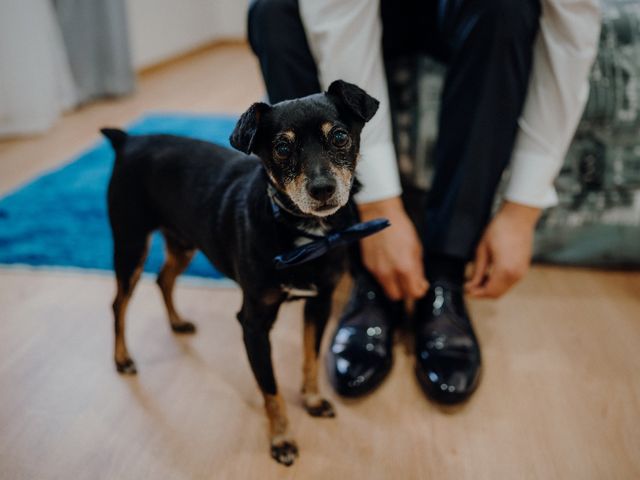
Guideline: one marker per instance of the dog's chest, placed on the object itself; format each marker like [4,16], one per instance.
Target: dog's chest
[302,281]
[303,289]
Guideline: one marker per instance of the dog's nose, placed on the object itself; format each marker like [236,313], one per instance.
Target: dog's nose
[322,188]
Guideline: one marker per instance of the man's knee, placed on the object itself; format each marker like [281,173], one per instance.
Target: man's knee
[267,18]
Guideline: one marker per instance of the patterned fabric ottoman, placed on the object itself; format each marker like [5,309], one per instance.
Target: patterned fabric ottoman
[597,220]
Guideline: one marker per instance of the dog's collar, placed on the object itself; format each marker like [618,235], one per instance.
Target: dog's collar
[278,205]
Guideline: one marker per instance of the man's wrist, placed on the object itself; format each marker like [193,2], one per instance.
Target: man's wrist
[522,214]
[380,208]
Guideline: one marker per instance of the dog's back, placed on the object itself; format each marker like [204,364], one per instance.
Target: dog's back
[189,189]
[184,186]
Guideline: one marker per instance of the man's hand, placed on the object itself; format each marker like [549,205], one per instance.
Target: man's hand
[394,256]
[504,253]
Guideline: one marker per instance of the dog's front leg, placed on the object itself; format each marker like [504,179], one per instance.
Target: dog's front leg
[316,313]
[256,320]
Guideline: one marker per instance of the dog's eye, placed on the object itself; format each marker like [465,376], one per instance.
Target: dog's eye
[282,150]
[339,138]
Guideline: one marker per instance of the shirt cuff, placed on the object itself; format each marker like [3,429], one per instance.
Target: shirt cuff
[377,171]
[531,180]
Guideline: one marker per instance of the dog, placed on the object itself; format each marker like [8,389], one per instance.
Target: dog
[293,177]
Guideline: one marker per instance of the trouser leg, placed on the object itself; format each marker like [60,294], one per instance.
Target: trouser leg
[488,47]
[278,39]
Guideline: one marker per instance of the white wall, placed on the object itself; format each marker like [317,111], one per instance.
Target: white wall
[161,29]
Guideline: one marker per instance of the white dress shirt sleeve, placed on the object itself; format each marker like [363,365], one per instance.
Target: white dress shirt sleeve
[558,90]
[345,38]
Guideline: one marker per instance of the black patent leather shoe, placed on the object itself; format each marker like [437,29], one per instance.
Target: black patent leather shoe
[360,355]
[447,351]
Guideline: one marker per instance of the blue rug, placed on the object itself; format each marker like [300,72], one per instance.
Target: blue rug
[60,218]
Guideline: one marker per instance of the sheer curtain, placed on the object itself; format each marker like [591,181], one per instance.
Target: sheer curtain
[97,43]
[36,84]
[56,54]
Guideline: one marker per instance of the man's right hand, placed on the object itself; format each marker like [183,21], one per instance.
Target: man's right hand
[394,256]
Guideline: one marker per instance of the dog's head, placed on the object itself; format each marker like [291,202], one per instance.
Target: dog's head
[309,146]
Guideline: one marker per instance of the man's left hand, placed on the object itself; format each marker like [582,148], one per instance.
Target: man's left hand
[504,253]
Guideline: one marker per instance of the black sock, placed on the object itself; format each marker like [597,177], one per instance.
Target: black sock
[445,268]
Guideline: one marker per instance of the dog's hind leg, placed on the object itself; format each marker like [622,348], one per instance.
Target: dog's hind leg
[177,261]
[316,315]
[129,259]
[256,321]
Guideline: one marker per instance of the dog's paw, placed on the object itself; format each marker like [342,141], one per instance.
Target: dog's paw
[320,408]
[126,366]
[284,451]
[183,326]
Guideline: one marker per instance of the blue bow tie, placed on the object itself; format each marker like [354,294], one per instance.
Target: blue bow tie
[321,245]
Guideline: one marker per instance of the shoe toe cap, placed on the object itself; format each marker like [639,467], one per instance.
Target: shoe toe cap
[447,379]
[356,362]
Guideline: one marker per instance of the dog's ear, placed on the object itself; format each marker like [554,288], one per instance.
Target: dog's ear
[358,102]
[244,134]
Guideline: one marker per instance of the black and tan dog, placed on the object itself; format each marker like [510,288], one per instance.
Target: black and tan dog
[242,210]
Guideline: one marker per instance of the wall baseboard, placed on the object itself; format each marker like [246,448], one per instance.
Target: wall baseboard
[193,52]
[161,29]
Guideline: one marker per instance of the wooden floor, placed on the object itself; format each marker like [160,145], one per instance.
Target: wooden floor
[559,398]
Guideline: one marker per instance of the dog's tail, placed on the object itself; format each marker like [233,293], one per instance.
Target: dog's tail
[116,136]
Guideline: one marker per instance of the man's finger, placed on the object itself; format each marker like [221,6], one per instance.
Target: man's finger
[480,265]
[390,285]
[420,287]
[417,283]
[413,284]
[496,285]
